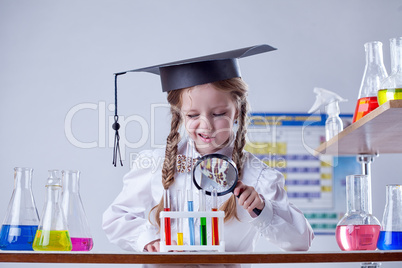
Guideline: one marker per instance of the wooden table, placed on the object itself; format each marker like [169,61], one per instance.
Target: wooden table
[202,258]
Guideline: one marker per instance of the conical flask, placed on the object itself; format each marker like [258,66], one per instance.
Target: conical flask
[391,231]
[391,88]
[52,233]
[22,218]
[71,204]
[374,74]
[358,229]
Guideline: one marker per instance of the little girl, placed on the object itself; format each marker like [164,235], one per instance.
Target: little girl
[208,110]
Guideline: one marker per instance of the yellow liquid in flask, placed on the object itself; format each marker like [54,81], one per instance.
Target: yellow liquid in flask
[52,241]
[385,95]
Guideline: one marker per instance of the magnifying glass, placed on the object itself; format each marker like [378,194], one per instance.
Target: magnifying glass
[216,171]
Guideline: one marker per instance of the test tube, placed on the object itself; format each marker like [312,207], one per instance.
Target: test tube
[190,220]
[166,207]
[179,221]
[215,230]
[189,163]
[203,220]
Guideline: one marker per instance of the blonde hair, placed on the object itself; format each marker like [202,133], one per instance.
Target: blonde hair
[238,92]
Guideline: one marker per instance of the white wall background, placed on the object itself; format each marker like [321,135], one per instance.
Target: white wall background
[57,55]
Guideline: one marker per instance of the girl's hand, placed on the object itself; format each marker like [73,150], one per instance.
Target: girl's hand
[249,198]
[152,246]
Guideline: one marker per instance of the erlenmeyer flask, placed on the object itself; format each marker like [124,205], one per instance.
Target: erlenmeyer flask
[22,218]
[391,88]
[73,209]
[358,229]
[52,233]
[374,74]
[391,231]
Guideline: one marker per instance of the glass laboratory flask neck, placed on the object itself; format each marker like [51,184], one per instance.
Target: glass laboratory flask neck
[374,71]
[73,209]
[53,188]
[22,218]
[23,178]
[71,181]
[374,74]
[358,194]
[396,55]
[392,219]
[374,54]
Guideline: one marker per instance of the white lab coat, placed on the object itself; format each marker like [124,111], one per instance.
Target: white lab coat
[126,223]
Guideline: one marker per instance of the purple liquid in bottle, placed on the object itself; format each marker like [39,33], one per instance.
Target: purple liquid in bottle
[81,244]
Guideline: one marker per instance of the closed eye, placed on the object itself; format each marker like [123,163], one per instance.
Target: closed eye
[221,114]
[192,115]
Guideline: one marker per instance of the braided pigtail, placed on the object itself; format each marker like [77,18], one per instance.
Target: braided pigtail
[238,90]
[238,158]
[240,140]
[173,139]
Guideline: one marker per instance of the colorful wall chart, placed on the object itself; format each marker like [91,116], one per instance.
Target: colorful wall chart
[315,184]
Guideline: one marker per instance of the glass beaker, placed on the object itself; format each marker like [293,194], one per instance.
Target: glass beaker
[358,229]
[22,218]
[374,74]
[391,231]
[73,209]
[391,88]
[52,233]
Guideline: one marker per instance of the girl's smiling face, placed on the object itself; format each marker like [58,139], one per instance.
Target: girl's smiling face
[209,115]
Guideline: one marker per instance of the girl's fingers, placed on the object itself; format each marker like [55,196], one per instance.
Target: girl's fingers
[153,246]
[150,248]
[156,246]
[249,197]
[256,202]
[239,188]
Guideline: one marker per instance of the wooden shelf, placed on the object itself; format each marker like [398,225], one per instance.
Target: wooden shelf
[379,132]
[203,258]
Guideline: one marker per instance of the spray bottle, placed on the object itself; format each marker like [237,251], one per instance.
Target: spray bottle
[329,99]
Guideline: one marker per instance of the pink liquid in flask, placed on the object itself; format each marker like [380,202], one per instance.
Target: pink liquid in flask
[82,244]
[357,237]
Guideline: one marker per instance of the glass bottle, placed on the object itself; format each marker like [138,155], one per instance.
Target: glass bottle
[374,74]
[52,233]
[358,229]
[22,218]
[391,88]
[73,209]
[391,231]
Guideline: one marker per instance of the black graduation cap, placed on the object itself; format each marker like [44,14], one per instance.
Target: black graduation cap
[193,72]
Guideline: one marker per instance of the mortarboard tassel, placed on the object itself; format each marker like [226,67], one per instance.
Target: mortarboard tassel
[116,126]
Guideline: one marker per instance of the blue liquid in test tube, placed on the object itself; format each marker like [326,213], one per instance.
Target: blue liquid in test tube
[190,220]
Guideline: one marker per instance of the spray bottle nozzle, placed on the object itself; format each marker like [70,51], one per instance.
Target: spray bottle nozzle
[323,98]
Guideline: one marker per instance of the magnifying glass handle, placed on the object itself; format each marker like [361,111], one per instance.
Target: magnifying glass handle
[255,210]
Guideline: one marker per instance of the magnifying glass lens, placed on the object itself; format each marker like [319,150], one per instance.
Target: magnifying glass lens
[215,171]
